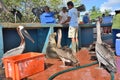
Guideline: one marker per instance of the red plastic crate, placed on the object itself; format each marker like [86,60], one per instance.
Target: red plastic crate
[23,65]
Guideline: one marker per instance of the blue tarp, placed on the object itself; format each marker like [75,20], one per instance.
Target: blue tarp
[47,18]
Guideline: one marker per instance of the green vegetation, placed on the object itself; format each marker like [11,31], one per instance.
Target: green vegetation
[25,7]
[95,12]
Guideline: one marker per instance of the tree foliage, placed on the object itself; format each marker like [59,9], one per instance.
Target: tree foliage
[95,12]
[107,12]
[25,7]
[54,3]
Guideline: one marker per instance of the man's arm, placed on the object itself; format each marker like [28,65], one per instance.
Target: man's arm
[68,20]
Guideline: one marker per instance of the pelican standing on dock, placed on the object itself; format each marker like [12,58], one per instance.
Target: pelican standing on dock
[64,53]
[104,55]
[18,50]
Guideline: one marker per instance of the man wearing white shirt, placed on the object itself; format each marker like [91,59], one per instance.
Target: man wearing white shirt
[63,15]
[73,25]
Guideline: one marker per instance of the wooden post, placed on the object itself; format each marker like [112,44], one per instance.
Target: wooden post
[1,42]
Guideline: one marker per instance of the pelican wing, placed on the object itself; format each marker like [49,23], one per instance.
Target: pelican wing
[66,54]
[105,56]
[14,51]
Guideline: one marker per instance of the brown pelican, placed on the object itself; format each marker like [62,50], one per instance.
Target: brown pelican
[64,53]
[52,43]
[104,55]
[67,56]
[18,50]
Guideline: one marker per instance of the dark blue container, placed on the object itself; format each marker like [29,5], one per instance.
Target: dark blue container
[117,47]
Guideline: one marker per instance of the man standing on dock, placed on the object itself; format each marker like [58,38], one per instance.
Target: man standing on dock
[73,25]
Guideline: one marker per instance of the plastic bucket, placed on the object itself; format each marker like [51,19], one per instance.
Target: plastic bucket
[117,47]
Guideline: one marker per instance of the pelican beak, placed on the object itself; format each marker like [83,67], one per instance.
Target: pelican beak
[27,35]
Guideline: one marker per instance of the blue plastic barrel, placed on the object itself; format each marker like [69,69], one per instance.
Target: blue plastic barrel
[117,47]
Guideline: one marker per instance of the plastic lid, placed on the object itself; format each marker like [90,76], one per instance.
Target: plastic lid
[118,35]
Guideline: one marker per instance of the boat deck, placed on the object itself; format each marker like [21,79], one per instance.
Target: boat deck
[88,73]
